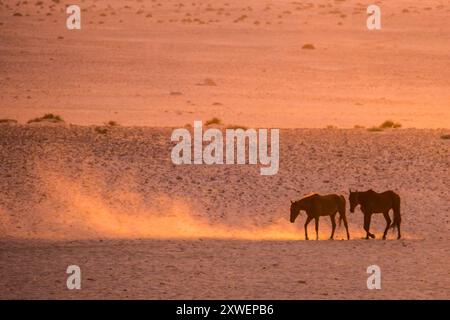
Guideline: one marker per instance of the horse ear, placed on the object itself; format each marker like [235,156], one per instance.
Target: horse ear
[292,202]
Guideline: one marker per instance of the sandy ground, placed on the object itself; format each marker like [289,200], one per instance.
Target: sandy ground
[141,227]
[167,63]
[215,269]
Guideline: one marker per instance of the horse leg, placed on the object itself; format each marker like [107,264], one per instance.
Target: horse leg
[388,223]
[346,227]
[308,219]
[344,217]
[397,221]
[366,225]
[317,227]
[333,225]
[367,217]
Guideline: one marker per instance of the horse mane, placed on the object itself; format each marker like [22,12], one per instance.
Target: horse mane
[368,192]
[308,196]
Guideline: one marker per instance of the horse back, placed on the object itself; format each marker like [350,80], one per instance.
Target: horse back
[390,195]
[380,202]
[330,203]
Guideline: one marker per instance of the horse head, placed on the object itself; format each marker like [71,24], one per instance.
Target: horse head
[353,199]
[295,210]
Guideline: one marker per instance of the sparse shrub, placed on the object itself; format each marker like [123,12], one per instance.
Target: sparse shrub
[209,82]
[213,121]
[101,130]
[49,117]
[357,126]
[308,46]
[7,121]
[387,124]
[112,123]
[390,124]
[445,136]
[375,129]
[330,126]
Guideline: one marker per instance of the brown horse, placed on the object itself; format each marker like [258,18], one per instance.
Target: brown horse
[373,202]
[315,206]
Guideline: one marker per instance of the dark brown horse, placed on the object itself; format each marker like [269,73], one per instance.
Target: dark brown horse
[373,202]
[315,206]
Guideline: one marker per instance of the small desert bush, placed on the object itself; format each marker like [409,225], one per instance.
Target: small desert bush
[208,82]
[357,126]
[49,117]
[375,129]
[112,123]
[387,124]
[330,126]
[8,121]
[308,46]
[101,130]
[390,124]
[213,121]
[445,136]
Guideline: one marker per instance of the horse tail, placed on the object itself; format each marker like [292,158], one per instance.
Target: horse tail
[396,208]
[341,209]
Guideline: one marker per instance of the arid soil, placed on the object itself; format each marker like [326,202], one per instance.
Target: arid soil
[140,227]
[168,63]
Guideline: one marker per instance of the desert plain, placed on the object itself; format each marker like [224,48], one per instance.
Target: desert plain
[99,189]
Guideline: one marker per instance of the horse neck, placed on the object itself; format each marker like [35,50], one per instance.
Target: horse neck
[362,197]
[302,204]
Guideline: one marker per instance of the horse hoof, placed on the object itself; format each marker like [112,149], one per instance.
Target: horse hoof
[384,238]
[372,236]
